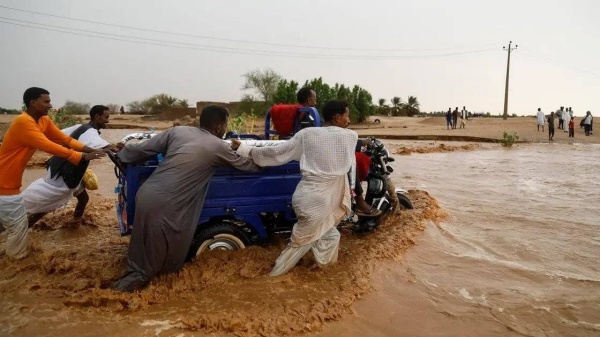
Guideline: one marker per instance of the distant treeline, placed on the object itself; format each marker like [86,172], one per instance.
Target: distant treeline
[9,111]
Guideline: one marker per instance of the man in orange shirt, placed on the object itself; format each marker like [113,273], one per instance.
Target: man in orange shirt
[30,131]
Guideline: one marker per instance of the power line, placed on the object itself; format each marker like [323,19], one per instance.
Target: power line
[540,55]
[182,45]
[231,40]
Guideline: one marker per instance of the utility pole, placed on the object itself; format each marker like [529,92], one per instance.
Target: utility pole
[509,49]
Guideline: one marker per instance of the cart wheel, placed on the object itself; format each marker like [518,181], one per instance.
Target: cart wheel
[219,236]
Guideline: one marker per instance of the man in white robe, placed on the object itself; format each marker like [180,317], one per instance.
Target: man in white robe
[51,192]
[322,198]
[541,119]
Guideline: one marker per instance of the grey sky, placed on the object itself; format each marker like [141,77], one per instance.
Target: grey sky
[555,64]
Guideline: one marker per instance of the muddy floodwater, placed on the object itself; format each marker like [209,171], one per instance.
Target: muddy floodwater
[500,243]
[517,255]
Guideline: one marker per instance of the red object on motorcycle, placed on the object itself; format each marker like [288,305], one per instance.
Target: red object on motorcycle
[363,163]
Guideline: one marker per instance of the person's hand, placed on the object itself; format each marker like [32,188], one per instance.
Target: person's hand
[119,146]
[235,144]
[93,155]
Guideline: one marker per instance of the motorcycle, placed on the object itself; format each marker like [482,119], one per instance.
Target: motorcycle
[381,192]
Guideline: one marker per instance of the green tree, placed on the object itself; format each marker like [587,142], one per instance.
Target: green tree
[75,108]
[362,103]
[412,106]
[396,105]
[263,82]
[183,103]
[154,104]
[286,92]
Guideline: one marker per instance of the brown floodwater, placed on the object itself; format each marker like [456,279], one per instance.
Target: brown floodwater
[510,250]
[517,255]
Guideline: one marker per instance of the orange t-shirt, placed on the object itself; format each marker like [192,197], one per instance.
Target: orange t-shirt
[23,138]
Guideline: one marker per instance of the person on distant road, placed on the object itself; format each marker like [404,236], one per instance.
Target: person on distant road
[454,118]
[541,119]
[551,126]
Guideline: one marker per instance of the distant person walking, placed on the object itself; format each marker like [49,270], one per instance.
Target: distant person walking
[541,119]
[587,123]
[551,126]
[560,114]
[464,110]
[463,118]
[454,118]
[572,127]
[449,118]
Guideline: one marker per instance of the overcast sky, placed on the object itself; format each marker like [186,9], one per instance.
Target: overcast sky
[447,53]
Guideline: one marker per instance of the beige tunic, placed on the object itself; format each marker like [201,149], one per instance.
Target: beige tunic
[322,198]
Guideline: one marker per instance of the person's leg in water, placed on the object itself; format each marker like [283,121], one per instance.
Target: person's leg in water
[362,207]
[33,218]
[325,251]
[82,200]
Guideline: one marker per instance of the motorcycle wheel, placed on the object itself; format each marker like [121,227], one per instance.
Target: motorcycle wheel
[219,236]
[403,201]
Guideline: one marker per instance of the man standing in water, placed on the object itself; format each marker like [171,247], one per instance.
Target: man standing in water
[541,119]
[30,131]
[169,203]
[322,197]
[551,126]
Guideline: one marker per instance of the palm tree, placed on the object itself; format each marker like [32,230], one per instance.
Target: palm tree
[412,105]
[184,103]
[396,103]
[381,102]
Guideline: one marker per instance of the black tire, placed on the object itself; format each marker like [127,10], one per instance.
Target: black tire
[217,236]
[376,120]
[403,201]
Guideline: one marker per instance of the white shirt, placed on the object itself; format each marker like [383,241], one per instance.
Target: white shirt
[541,119]
[90,138]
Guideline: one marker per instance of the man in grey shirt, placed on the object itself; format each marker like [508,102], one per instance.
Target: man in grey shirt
[169,203]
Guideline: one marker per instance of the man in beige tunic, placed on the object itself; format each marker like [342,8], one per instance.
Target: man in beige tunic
[322,198]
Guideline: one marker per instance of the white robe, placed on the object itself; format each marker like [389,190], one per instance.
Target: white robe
[322,198]
[541,119]
[47,194]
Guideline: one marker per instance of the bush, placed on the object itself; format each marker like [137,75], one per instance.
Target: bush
[62,119]
[508,139]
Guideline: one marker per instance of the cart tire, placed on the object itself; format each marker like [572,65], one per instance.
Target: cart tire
[219,236]
[403,201]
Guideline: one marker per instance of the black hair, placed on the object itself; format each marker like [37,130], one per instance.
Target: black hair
[33,93]
[332,108]
[97,110]
[212,116]
[304,94]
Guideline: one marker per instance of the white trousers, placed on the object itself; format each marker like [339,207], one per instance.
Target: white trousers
[46,194]
[14,220]
[325,250]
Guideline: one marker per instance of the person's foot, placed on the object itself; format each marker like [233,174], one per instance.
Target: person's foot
[130,282]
